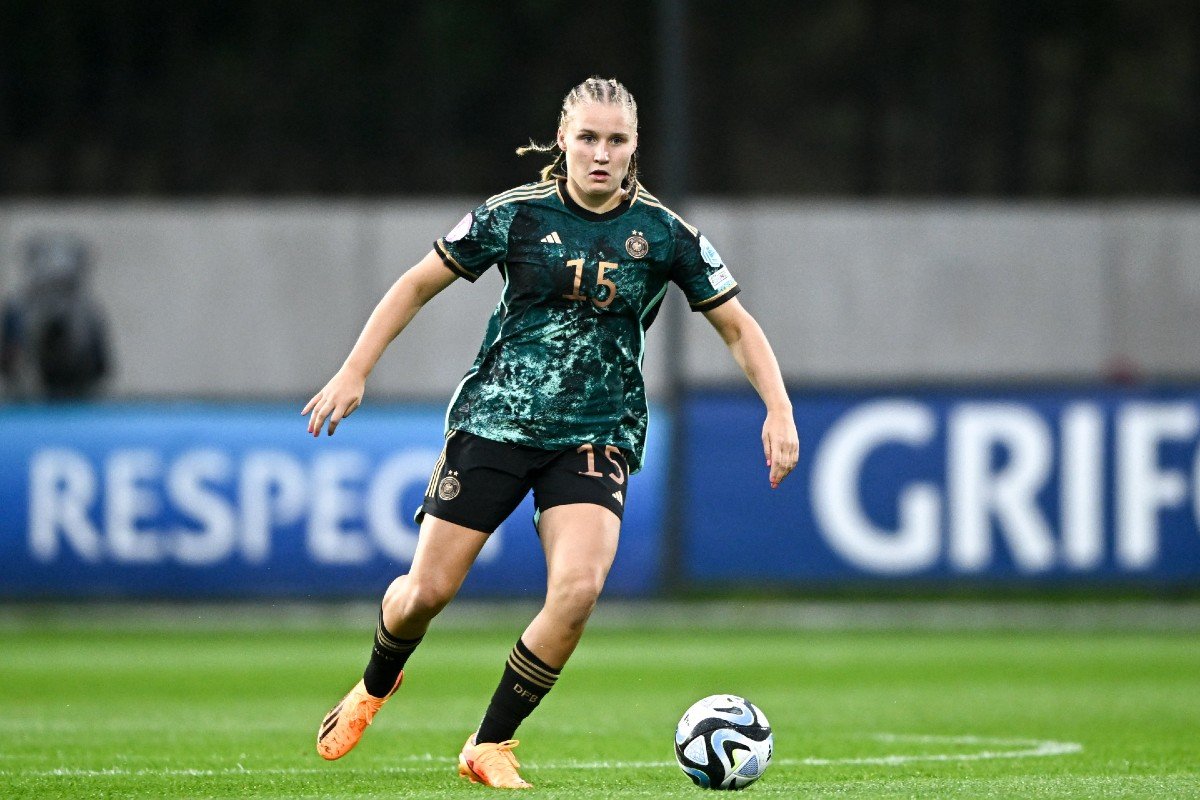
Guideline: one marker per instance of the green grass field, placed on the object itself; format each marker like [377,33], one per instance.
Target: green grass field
[907,701]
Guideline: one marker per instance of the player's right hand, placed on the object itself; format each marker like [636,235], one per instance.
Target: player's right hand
[335,402]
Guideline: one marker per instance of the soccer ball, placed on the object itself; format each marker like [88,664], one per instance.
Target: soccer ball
[723,742]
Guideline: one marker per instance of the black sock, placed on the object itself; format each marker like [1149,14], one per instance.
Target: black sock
[387,659]
[527,679]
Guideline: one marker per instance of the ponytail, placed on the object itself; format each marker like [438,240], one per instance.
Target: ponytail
[557,168]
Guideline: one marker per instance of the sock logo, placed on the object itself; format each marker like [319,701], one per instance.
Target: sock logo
[525,693]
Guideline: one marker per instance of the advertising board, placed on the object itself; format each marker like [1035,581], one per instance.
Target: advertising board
[1027,487]
[217,501]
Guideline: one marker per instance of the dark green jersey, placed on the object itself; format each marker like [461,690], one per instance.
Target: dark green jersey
[561,361]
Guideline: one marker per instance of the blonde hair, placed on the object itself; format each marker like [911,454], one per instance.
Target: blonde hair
[594,90]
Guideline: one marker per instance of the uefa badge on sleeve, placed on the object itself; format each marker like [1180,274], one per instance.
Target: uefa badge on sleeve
[462,228]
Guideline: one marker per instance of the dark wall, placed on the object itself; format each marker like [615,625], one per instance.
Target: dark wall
[924,98]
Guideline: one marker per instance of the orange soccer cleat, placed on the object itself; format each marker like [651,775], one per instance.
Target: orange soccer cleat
[491,764]
[343,726]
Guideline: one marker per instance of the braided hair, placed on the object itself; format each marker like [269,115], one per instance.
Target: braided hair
[593,90]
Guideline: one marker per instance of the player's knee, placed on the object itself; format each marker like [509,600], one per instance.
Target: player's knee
[418,600]
[575,595]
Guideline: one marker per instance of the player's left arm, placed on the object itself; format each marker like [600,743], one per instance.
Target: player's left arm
[753,353]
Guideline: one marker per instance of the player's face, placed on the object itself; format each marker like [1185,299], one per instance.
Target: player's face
[599,140]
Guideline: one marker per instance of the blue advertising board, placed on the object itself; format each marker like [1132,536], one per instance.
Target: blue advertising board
[939,488]
[213,500]
[1029,487]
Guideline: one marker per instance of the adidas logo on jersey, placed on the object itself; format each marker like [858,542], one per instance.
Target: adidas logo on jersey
[620,498]
[551,239]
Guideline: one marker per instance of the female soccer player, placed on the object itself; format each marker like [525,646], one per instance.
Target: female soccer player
[554,402]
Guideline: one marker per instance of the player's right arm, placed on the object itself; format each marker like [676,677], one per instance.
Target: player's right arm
[399,305]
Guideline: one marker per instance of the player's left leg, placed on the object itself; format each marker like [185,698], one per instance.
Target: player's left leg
[580,542]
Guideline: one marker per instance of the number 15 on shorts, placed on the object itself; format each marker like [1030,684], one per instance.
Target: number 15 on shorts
[615,459]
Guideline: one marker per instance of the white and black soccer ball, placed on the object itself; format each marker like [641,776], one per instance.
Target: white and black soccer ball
[724,742]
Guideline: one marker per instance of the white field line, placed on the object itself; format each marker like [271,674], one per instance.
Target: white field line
[994,748]
[1020,748]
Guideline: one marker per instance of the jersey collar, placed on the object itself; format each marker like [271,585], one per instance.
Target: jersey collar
[592,216]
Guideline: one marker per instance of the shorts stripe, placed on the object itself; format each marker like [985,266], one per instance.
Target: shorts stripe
[437,467]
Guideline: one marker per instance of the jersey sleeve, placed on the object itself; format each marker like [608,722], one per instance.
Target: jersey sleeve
[479,240]
[700,272]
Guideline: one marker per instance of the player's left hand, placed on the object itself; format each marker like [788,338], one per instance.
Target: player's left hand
[781,445]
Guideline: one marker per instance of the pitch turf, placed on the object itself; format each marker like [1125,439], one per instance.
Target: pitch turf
[870,702]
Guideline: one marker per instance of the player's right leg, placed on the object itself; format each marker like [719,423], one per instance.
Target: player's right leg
[444,555]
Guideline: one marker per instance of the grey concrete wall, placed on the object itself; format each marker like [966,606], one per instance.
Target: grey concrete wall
[1154,269]
[264,299]
[261,299]
[869,293]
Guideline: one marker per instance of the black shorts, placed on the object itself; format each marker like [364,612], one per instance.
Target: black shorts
[477,482]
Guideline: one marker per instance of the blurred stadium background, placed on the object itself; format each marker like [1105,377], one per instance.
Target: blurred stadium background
[971,231]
